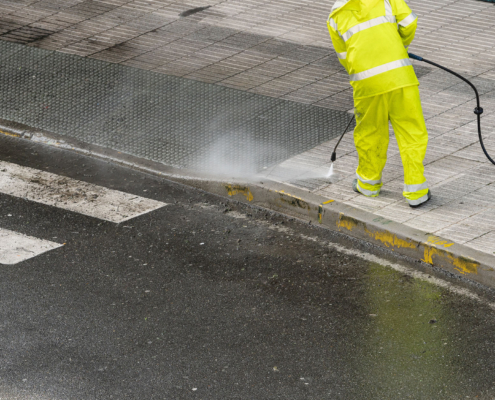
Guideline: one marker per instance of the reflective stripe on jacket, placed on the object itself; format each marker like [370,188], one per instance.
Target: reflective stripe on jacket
[371,39]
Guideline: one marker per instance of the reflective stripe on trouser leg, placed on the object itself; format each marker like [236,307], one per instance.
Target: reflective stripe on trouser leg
[409,126]
[369,187]
[367,192]
[415,188]
[416,194]
[371,137]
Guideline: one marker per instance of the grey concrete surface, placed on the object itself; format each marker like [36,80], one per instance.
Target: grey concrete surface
[211,299]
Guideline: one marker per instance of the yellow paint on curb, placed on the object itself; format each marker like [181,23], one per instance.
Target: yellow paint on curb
[387,238]
[287,194]
[236,189]
[463,265]
[11,134]
[391,240]
[292,200]
[432,253]
[435,240]
[347,222]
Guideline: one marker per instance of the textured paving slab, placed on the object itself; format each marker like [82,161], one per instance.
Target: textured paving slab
[175,121]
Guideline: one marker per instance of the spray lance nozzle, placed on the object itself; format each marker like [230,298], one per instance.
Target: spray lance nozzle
[334,154]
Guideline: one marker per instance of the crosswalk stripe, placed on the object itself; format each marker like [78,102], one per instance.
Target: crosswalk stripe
[15,247]
[73,195]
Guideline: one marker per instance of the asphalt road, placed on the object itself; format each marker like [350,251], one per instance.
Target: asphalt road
[208,299]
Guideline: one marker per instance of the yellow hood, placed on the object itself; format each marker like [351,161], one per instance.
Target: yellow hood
[362,7]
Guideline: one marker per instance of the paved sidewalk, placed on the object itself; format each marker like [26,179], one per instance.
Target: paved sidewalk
[281,49]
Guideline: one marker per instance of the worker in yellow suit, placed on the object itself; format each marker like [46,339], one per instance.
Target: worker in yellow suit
[371,38]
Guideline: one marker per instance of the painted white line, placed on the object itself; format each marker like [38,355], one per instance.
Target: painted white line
[70,194]
[15,247]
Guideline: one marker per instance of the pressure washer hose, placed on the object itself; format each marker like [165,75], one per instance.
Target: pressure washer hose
[478,110]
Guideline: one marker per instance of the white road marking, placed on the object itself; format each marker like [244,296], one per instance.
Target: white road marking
[73,195]
[15,247]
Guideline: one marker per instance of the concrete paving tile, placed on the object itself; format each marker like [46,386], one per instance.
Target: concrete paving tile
[484,243]
[392,215]
[375,202]
[335,192]
[426,225]
[138,64]
[451,234]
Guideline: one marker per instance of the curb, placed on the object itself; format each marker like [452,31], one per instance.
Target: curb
[457,259]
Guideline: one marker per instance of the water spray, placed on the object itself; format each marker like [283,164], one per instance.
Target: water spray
[478,111]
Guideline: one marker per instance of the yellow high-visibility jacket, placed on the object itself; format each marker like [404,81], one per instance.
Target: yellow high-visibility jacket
[371,39]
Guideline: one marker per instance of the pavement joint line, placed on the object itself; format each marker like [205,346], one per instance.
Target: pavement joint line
[457,259]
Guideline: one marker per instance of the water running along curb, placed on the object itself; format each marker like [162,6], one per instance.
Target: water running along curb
[455,258]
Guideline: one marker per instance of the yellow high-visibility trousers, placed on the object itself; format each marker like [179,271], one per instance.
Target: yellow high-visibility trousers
[402,107]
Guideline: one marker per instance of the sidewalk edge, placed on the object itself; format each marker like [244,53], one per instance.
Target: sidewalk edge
[455,258]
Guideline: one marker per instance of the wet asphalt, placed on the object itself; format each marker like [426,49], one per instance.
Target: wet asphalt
[209,299]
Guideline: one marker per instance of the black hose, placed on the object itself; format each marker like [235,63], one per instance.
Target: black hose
[478,110]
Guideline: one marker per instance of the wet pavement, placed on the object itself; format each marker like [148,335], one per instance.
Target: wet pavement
[209,299]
